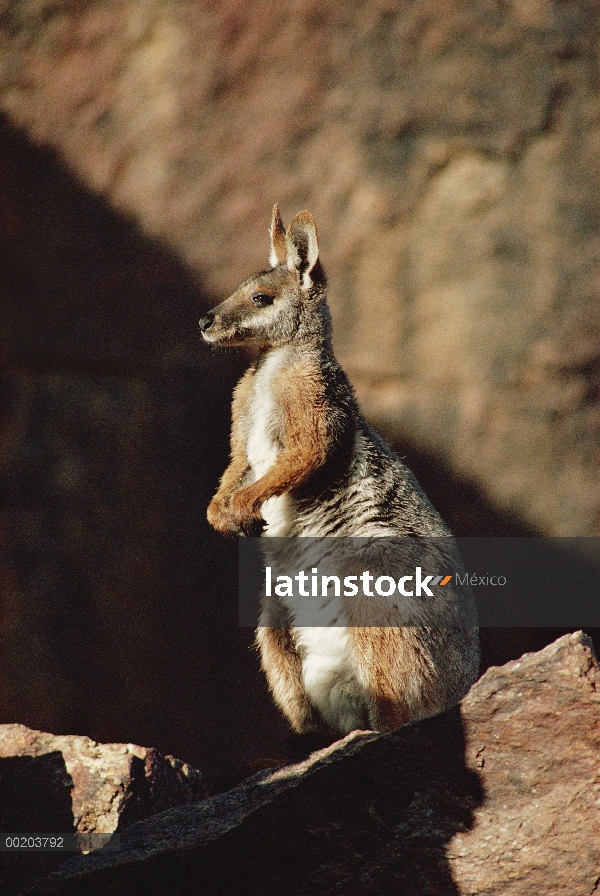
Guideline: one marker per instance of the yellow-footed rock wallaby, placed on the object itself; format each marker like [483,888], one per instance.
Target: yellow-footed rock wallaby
[304,462]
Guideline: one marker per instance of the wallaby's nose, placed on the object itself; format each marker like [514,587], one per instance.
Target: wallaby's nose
[206,323]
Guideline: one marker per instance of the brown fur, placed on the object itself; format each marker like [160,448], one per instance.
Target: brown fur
[396,673]
[304,436]
[278,239]
[219,513]
[283,668]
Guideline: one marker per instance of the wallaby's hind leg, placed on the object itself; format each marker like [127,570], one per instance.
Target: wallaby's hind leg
[396,677]
[283,668]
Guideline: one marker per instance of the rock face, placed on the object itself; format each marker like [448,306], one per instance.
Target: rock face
[52,784]
[449,152]
[501,797]
[113,434]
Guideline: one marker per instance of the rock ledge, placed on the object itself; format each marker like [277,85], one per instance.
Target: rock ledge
[501,796]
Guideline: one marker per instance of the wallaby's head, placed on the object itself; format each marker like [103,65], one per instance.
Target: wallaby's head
[284,303]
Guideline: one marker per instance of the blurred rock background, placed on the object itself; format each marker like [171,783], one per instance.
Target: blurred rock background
[450,153]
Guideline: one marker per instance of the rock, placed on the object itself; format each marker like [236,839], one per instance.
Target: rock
[499,797]
[449,152]
[62,784]
[534,734]
[110,785]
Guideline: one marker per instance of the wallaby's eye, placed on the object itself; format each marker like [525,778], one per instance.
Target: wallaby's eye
[262,299]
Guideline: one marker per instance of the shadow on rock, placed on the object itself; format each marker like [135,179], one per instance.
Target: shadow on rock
[35,797]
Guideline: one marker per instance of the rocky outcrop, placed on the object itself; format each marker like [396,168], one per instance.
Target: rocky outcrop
[62,785]
[501,797]
[449,152]
[110,785]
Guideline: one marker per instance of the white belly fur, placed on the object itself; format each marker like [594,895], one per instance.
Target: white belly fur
[261,448]
[327,667]
[329,677]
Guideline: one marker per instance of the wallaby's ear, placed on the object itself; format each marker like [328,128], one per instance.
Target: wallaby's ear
[303,249]
[278,242]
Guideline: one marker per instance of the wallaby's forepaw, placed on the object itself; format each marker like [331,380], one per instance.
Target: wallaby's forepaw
[247,512]
[253,528]
[220,517]
[231,519]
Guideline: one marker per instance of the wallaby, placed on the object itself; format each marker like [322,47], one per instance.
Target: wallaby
[304,462]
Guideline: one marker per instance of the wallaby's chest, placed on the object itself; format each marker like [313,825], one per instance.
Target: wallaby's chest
[264,417]
[265,437]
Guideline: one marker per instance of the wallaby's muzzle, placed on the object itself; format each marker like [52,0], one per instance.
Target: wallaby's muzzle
[218,327]
[206,322]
